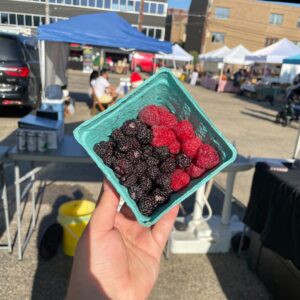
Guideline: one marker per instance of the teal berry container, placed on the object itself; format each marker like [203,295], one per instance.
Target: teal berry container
[163,88]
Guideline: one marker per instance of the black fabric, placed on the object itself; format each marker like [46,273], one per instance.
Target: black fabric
[274,210]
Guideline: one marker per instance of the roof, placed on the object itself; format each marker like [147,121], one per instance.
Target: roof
[215,55]
[237,55]
[102,29]
[275,53]
[177,54]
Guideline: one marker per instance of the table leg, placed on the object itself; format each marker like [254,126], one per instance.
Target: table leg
[33,199]
[18,208]
[5,208]
[226,212]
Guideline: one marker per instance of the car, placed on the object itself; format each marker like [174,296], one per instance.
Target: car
[20,80]
[143,62]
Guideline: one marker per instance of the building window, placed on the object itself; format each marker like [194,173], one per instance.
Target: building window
[4,18]
[270,40]
[137,6]
[217,37]
[100,3]
[153,8]
[276,19]
[222,13]
[130,5]
[158,34]
[36,21]
[123,5]
[92,3]
[69,2]
[12,19]
[20,19]
[107,4]
[146,7]
[28,20]
[160,9]
[115,4]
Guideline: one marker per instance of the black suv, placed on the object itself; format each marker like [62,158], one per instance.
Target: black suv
[20,81]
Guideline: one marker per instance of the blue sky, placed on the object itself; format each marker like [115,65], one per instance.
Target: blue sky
[179,3]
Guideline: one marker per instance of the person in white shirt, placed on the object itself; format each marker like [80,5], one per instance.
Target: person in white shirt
[104,92]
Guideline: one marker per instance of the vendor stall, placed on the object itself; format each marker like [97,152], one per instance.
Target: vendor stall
[290,68]
[107,30]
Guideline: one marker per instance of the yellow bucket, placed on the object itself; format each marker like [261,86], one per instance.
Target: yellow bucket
[74,216]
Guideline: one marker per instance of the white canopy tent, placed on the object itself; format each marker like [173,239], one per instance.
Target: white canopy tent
[178,54]
[236,56]
[215,55]
[274,54]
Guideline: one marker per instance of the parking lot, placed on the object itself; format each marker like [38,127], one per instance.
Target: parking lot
[247,122]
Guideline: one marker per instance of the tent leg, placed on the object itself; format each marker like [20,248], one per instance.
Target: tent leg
[42,66]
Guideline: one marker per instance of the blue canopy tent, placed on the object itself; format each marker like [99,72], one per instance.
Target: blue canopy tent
[293,60]
[102,29]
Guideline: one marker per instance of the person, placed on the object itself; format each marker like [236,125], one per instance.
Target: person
[135,80]
[94,75]
[237,78]
[194,77]
[116,257]
[104,92]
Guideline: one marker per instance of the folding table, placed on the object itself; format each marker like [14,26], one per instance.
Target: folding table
[69,151]
[3,195]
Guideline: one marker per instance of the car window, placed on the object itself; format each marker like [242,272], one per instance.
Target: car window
[10,49]
[32,52]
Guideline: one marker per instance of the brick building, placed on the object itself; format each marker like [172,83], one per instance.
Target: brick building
[31,13]
[176,22]
[255,24]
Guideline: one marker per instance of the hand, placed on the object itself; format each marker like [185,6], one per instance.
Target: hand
[116,257]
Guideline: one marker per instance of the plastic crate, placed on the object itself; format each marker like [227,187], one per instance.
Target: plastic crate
[163,88]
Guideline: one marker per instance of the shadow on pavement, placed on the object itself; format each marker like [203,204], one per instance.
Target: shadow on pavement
[52,277]
[14,111]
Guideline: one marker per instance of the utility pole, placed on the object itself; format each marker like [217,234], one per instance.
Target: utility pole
[141,16]
[47,12]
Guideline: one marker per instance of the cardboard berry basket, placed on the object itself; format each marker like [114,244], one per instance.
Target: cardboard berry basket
[163,88]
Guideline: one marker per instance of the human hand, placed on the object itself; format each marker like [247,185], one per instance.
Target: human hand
[116,257]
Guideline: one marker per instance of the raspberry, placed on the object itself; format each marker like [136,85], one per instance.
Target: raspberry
[184,131]
[194,171]
[152,161]
[168,166]
[136,193]
[123,167]
[147,205]
[117,134]
[140,169]
[152,172]
[190,147]
[174,148]
[103,149]
[183,161]
[127,144]
[162,136]
[144,135]
[159,196]
[162,153]
[147,151]
[179,180]
[134,155]
[207,157]
[166,118]
[163,181]
[112,144]
[130,128]
[129,181]
[145,183]
[150,115]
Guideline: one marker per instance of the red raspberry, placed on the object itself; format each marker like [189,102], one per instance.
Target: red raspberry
[150,115]
[194,171]
[179,180]
[207,157]
[162,136]
[184,131]
[166,118]
[190,147]
[174,148]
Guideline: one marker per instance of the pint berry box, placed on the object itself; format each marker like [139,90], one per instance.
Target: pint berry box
[162,89]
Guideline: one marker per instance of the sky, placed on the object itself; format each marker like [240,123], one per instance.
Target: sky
[179,4]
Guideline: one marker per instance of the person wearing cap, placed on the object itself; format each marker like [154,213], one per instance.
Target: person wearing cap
[135,80]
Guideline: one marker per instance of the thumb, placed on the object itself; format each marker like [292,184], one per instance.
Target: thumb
[103,218]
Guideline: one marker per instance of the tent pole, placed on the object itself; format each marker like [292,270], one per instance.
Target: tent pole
[101,58]
[42,59]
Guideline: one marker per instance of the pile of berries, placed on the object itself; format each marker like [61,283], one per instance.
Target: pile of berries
[156,155]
